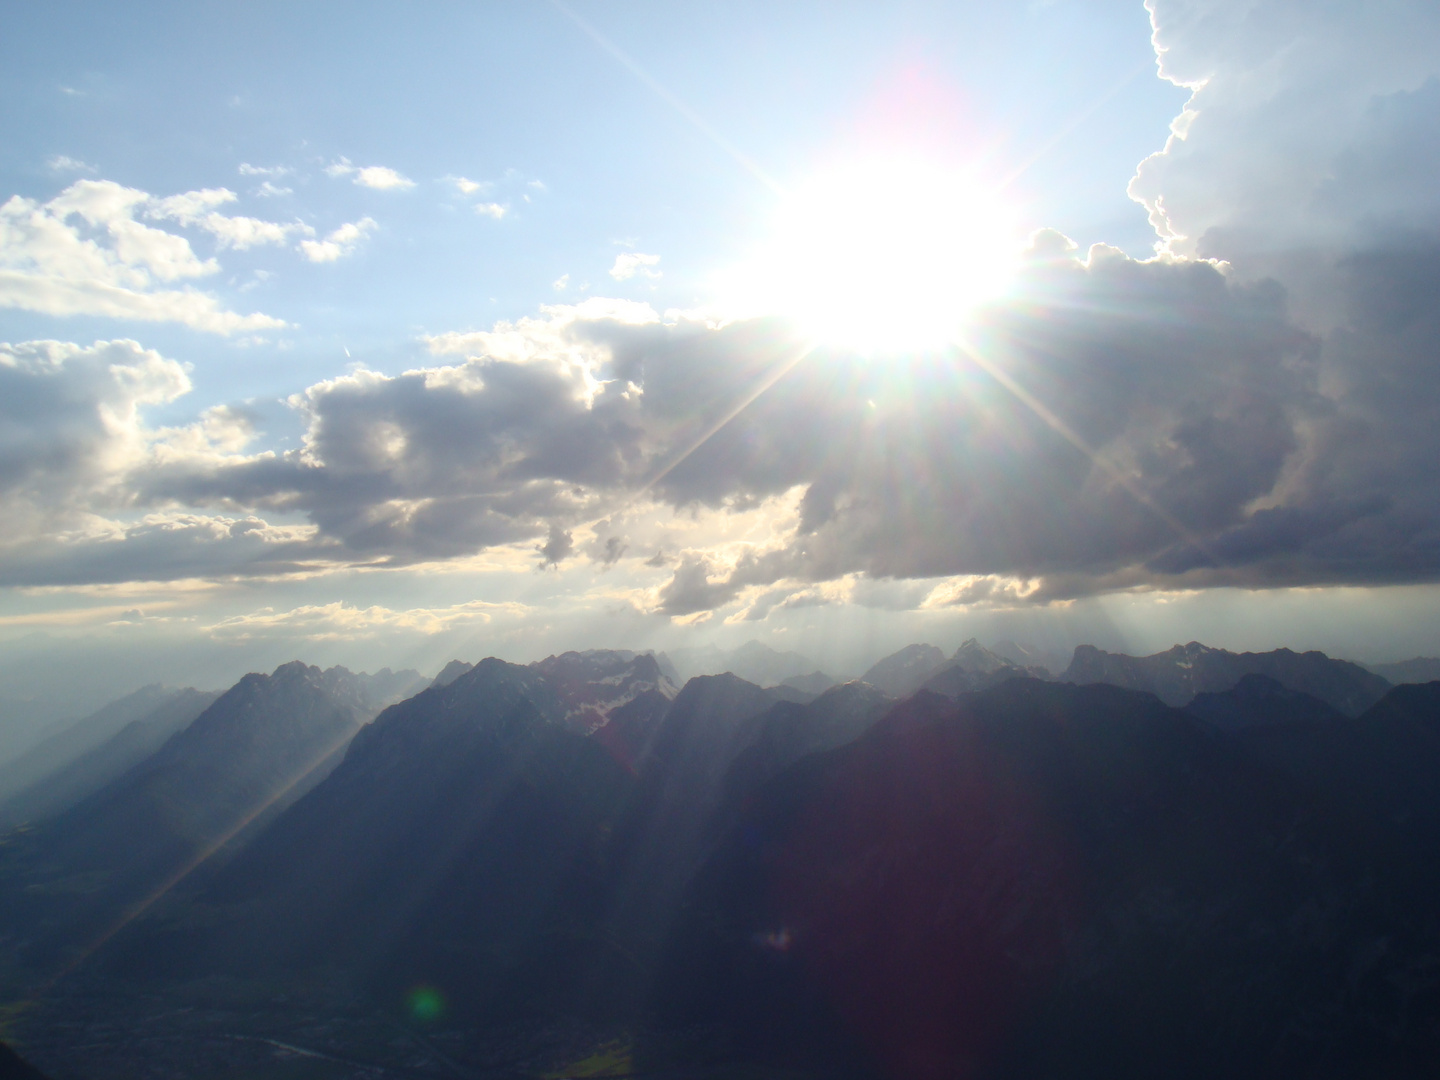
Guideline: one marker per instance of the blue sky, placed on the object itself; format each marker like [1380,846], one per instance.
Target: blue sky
[271,215]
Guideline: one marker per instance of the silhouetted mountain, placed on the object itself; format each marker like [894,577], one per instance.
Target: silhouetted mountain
[709,724]
[1422,669]
[1259,701]
[1063,881]
[475,837]
[817,682]
[1036,879]
[752,662]
[259,746]
[786,732]
[14,1067]
[462,831]
[65,745]
[98,766]
[902,673]
[1179,673]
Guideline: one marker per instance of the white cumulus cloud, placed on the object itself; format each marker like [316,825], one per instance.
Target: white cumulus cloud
[339,243]
[378,177]
[85,253]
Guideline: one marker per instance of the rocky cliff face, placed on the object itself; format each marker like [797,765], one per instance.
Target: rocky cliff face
[595,683]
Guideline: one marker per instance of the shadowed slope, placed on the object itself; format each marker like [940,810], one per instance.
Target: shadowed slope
[256,746]
[1050,880]
[92,770]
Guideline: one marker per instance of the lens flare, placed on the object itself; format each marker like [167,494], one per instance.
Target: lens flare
[426,1003]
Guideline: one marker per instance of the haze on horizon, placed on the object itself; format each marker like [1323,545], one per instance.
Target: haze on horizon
[380,336]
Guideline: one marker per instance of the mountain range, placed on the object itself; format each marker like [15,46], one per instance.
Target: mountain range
[956,866]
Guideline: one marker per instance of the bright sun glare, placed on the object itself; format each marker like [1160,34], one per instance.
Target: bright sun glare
[885,255]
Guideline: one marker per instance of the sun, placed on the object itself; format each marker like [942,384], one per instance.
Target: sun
[884,255]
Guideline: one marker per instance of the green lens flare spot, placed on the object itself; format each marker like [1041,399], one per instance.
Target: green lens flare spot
[426,1003]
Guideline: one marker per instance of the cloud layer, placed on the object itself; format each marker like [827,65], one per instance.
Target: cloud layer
[1256,406]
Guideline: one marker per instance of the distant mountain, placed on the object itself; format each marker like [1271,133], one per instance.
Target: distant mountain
[974,667]
[752,662]
[1028,656]
[596,682]
[65,745]
[94,768]
[1422,669]
[259,746]
[28,719]
[1258,701]
[451,671]
[902,673]
[1044,879]
[1178,674]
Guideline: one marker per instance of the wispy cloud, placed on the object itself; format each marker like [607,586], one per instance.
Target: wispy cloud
[340,621]
[62,163]
[629,264]
[274,171]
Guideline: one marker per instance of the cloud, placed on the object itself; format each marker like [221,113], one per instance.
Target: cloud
[1280,93]
[268,189]
[1192,388]
[469,187]
[376,177]
[558,547]
[630,263]
[85,253]
[64,163]
[71,415]
[339,243]
[166,547]
[1254,407]
[491,210]
[197,209]
[340,621]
